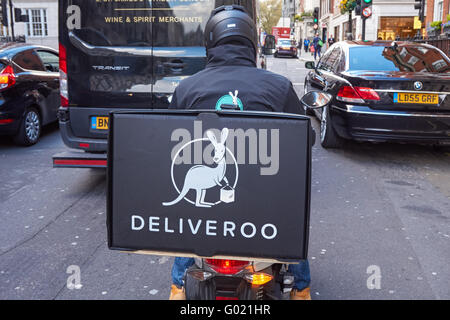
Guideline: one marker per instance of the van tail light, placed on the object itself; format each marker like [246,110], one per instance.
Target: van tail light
[7,78]
[226,266]
[64,93]
[357,94]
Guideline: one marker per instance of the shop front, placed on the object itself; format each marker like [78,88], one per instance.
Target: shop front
[391,28]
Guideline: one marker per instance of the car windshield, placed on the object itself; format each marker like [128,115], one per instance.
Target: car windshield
[286,43]
[398,58]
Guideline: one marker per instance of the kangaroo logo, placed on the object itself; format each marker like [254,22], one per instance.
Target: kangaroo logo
[230,99]
[201,177]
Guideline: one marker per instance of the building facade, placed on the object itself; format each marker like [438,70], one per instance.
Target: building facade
[305,28]
[436,10]
[389,20]
[42,27]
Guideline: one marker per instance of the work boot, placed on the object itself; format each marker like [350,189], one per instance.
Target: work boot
[300,294]
[177,293]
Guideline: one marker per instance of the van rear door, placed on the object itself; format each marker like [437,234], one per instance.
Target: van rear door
[178,43]
[109,57]
[120,52]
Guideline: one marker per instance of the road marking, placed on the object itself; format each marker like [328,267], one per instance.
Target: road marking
[298,84]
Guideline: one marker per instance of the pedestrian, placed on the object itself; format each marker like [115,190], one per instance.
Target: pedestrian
[306,44]
[330,41]
[317,43]
[311,49]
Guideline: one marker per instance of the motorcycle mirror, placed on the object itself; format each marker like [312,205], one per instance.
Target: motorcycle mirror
[316,99]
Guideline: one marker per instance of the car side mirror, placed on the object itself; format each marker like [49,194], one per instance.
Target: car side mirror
[316,99]
[310,65]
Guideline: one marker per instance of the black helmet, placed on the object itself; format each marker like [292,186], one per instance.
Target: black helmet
[230,23]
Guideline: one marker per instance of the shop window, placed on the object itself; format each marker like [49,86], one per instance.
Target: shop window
[392,28]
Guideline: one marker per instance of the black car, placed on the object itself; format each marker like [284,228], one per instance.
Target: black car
[286,47]
[383,91]
[29,90]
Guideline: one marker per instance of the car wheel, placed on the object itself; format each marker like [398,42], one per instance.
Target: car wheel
[30,128]
[328,137]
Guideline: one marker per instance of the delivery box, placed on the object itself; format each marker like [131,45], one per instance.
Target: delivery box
[209,184]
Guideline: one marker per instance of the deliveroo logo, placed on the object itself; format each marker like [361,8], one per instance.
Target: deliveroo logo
[230,99]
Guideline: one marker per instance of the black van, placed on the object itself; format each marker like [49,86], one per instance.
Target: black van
[125,55]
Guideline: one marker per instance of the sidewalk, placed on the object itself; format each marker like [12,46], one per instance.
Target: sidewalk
[306,57]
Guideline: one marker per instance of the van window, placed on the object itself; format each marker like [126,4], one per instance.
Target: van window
[161,23]
[180,23]
[115,23]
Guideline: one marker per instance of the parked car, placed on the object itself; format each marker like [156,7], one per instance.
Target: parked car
[285,47]
[383,91]
[29,90]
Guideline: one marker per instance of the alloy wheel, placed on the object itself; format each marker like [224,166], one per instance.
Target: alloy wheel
[32,126]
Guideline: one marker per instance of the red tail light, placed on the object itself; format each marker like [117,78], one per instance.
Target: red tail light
[367,93]
[63,76]
[6,121]
[357,94]
[7,78]
[226,266]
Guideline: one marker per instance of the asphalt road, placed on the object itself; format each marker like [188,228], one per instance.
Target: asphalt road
[377,210]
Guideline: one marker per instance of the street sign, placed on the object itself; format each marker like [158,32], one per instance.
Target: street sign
[367,12]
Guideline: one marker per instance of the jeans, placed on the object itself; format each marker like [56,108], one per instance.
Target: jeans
[302,276]
[317,51]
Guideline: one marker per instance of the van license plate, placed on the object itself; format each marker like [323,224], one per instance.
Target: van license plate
[416,98]
[99,123]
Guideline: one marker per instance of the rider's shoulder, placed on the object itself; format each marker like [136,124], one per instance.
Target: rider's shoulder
[275,77]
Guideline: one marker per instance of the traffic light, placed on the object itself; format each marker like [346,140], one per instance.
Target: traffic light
[316,15]
[358,7]
[366,8]
[17,14]
[19,17]
[4,13]
[420,5]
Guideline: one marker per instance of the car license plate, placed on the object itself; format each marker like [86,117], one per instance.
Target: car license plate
[416,98]
[99,123]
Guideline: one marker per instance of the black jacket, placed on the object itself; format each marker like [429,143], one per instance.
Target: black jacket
[230,68]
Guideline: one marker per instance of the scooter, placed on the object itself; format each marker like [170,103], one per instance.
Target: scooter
[226,279]
[223,279]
